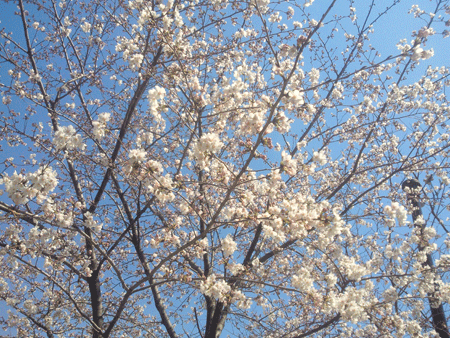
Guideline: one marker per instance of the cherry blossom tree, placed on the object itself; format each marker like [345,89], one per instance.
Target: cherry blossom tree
[222,168]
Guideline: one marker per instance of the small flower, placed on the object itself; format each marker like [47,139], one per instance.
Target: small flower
[319,157]
[135,61]
[99,126]
[229,246]
[67,138]
[86,27]
[218,289]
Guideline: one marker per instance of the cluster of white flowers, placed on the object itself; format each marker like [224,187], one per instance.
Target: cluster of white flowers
[319,157]
[135,60]
[201,247]
[217,289]
[91,223]
[30,306]
[229,246]
[252,122]
[302,280]
[218,4]
[153,167]
[235,268]
[390,295]
[67,21]
[421,54]
[58,211]
[129,47]
[136,158]
[274,230]
[237,90]
[184,207]
[208,144]
[425,32]
[337,90]
[99,126]
[288,164]
[297,215]
[86,27]
[144,137]
[150,174]
[162,188]
[22,188]
[282,122]
[34,77]
[12,301]
[351,304]
[314,76]
[353,270]
[275,17]
[262,5]
[136,4]
[66,138]
[155,96]
[6,99]
[310,108]
[313,22]
[37,235]
[244,33]
[296,98]
[3,285]
[240,300]
[395,210]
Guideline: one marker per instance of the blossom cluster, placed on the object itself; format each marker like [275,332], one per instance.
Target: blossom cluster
[91,223]
[243,162]
[288,164]
[395,210]
[99,126]
[155,97]
[150,174]
[229,246]
[129,49]
[421,54]
[217,289]
[207,145]
[136,158]
[66,138]
[21,188]
[352,303]
[252,122]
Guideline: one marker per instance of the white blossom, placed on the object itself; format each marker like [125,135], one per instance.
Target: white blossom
[136,158]
[303,280]
[66,138]
[229,246]
[22,188]
[217,289]
[395,210]
[207,145]
[99,126]
[86,27]
[421,54]
[319,157]
[314,75]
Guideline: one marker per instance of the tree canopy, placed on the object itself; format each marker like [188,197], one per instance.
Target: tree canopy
[224,168]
